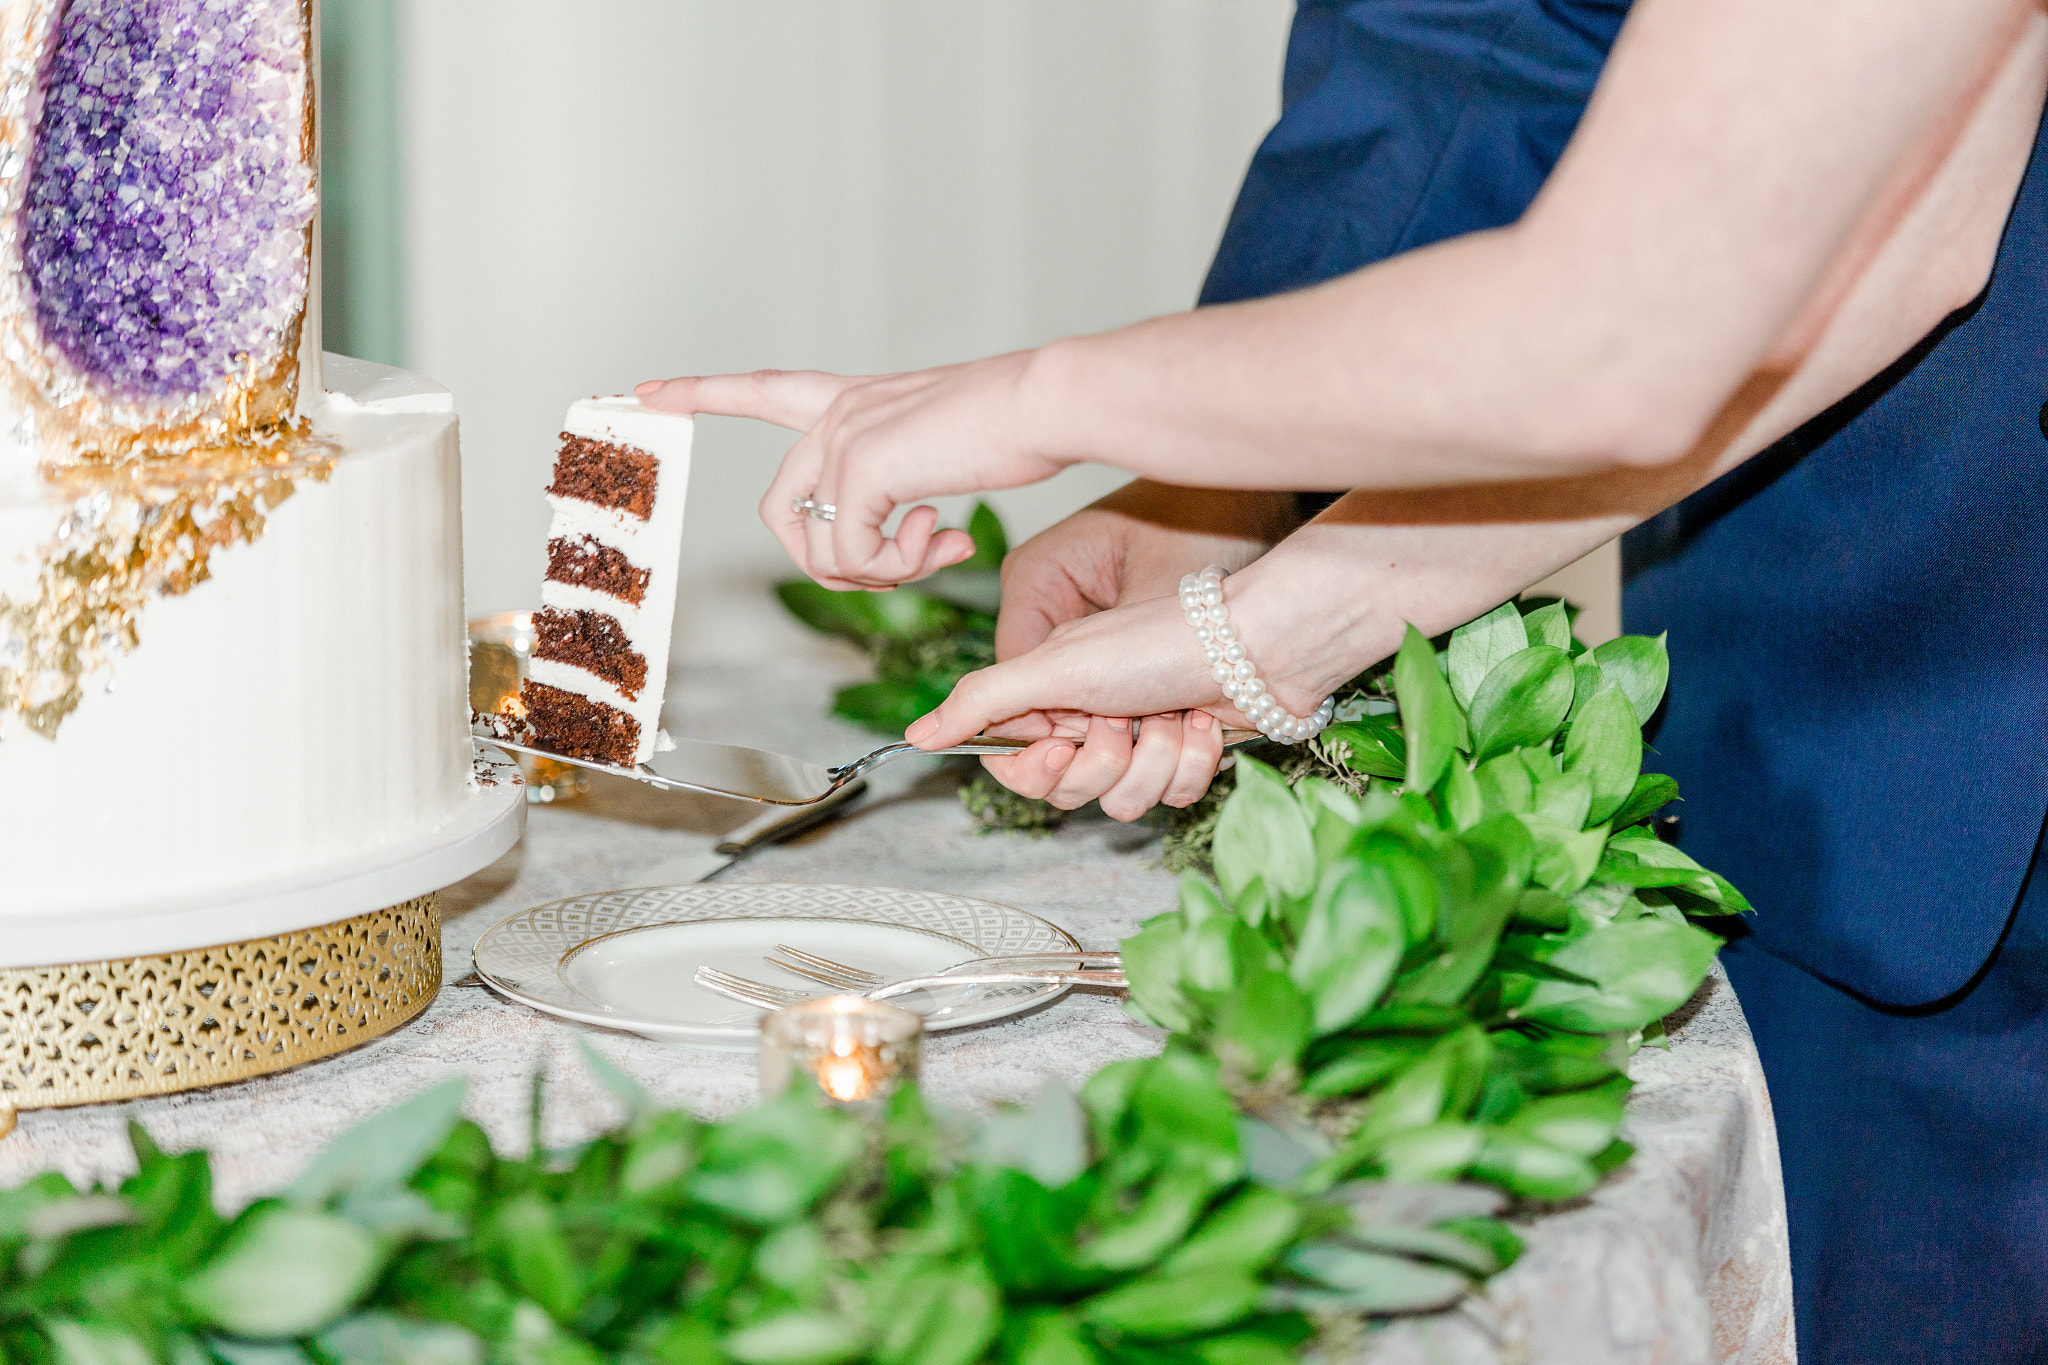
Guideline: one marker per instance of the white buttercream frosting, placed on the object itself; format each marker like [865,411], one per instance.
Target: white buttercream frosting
[301,709]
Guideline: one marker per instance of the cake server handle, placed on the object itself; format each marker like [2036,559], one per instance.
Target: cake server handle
[979,744]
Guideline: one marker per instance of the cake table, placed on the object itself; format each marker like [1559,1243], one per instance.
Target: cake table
[1679,1257]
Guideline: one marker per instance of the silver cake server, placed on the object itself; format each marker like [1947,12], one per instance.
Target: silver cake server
[697,765]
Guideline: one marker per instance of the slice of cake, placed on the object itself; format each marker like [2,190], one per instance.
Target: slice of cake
[600,652]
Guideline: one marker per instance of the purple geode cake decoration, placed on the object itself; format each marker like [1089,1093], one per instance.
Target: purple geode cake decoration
[157,205]
[163,227]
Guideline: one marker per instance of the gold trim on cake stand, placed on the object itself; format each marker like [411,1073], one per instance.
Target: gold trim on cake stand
[124,1029]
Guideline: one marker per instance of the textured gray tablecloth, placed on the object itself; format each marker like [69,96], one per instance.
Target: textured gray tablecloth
[1678,1257]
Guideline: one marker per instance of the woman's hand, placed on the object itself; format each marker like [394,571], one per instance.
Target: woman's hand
[871,444]
[1077,695]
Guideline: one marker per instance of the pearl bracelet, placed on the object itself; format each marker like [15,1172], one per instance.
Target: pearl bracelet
[1201,598]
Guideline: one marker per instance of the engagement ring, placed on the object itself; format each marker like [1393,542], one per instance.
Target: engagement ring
[823,511]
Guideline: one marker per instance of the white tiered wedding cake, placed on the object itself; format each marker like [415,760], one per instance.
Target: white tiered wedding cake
[232,654]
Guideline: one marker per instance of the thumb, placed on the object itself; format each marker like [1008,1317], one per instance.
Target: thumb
[978,701]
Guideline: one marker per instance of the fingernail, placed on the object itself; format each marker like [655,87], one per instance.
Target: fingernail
[1201,720]
[1119,722]
[922,728]
[642,389]
[1058,757]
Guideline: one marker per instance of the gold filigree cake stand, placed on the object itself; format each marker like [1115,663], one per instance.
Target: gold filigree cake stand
[138,1026]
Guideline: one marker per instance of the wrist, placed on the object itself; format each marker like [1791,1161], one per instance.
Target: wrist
[1202,602]
[1047,396]
[1300,634]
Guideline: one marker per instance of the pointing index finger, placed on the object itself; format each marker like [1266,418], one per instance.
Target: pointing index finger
[788,398]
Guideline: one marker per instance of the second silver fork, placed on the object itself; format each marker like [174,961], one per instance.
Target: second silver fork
[764,996]
[854,979]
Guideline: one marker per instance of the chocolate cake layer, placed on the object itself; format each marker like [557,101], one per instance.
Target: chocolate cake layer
[609,475]
[592,641]
[579,727]
[588,563]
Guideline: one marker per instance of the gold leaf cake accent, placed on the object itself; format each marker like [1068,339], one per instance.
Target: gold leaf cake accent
[135,528]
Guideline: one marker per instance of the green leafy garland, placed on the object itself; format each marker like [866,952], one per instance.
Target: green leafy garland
[1407,1000]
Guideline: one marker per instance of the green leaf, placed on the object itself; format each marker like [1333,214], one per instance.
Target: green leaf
[1264,1023]
[235,1352]
[284,1271]
[383,1150]
[1274,1157]
[1651,793]
[1432,723]
[1350,946]
[1505,786]
[1374,1282]
[1364,1063]
[1436,1244]
[886,706]
[792,1258]
[1458,797]
[1246,1233]
[1492,1236]
[537,1259]
[1566,859]
[991,542]
[535,1338]
[767,1164]
[947,1317]
[1436,1151]
[1582,1122]
[1051,1339]
[1262,835]
[1152,960]
[387,1339]
[1163,1216]
[1244,1350]
[1047,1141]
[664,1149]
[795,1339]
[1477,647]
[1522,702]
[1442,1082]
[848,615]
[1334,816]
[1646,969]
[1184,1115]
[1532,1168]
[623,1088]
[1549,625]
[81,1343]
[1606,747]
[1640,667]
[1174,1304]
[1371,744]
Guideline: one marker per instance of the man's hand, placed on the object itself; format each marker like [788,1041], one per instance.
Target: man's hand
[1131,546]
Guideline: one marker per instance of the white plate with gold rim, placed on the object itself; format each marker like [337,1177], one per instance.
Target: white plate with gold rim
[624,959]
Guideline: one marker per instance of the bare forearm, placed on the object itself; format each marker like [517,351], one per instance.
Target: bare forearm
[1691,242]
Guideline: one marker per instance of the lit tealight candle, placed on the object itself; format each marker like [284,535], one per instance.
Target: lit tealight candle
[857,1050]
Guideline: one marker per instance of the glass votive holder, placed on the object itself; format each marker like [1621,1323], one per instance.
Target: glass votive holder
[857,1050]
[500,647]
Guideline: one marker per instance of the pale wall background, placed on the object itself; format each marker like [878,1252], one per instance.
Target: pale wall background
[571,200]
[656,187]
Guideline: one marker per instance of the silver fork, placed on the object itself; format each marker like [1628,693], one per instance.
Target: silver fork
[764,996]
[854,979]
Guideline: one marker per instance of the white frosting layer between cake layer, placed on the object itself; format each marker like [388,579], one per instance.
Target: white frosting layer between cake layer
[301,710]
[655,544]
